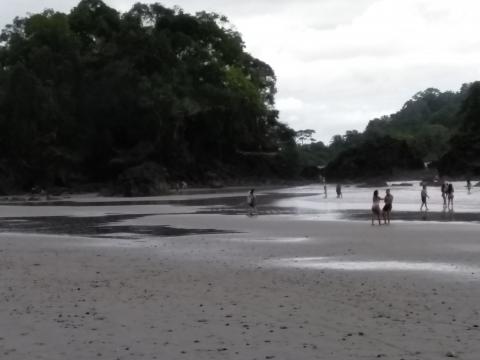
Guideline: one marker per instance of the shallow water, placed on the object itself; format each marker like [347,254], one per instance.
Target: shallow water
[91,216]
[362,265]
[357,200]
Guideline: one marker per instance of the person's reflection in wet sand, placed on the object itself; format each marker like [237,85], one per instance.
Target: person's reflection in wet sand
[424,215]
[447,215]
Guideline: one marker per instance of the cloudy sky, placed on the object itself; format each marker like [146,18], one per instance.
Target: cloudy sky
[340,63]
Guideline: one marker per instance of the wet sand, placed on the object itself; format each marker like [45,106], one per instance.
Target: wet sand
[80,284]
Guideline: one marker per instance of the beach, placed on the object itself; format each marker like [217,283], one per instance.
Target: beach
[193,277]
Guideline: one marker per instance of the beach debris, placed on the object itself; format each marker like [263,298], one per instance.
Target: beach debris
[451,354]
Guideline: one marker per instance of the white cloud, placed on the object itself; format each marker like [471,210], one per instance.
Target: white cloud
[369,65]
[289,104]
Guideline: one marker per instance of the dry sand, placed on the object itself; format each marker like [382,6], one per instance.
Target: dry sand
[273,287]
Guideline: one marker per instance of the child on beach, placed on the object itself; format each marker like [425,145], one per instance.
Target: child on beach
[376,207]
[252,202]
[387,208]
[424,197]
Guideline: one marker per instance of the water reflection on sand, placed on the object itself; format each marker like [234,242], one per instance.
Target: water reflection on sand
[406,199]
[328,263]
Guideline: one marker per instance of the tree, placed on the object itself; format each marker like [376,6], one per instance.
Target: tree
[88,95]
[363,161]
[305,135]
[463,158]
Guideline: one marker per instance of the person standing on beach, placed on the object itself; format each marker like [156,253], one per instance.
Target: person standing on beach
[252,202]
[469,186]
[376,208]
[444,188]
[324,187]
[387,208]
[424,196]
[450,196]
[339,191]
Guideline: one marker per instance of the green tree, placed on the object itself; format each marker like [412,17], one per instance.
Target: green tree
[305,135]
[463,158]
[87,95]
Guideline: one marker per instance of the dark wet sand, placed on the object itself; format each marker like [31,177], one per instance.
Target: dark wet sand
[439,216]
[93,226]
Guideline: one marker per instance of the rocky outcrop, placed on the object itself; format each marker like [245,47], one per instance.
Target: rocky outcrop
[147,179]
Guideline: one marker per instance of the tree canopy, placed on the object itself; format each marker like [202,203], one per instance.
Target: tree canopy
[423,130]
[376,157]
[463,158]
[86,95]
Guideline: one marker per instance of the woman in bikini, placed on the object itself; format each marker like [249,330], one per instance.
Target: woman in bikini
[376,212]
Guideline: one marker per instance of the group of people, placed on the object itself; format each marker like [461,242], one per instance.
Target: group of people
[338,189]
[384,212]
[378,213]
[447,194]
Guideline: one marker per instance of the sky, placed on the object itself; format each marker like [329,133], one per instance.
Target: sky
[340,63]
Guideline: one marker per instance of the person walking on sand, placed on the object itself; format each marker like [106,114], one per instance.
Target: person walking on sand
[450,196]
[252,202]
[339,191]
[443,189]
[376,208]
[424,196]
[387,208]
[469,186]
[324,187]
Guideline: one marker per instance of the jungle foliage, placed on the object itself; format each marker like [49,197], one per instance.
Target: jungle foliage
[432,127]
[85,96]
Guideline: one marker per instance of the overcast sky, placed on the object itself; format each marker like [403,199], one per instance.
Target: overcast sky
[340,63]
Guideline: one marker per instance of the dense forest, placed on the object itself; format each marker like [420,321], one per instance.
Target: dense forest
[463,157]
[140,100]
[437,128]
[99,96]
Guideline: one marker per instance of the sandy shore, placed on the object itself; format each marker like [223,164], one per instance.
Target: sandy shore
[267,287]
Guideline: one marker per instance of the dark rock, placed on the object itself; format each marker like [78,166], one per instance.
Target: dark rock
[6,184]
[360,162]
[430,182]
[373,184]
[213,180]
[146,179]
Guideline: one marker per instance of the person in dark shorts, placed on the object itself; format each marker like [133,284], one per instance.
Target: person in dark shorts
[339,191]
[450,196]
[387,208]
[443,189]
[252,202]
[376,212]
[424,196]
